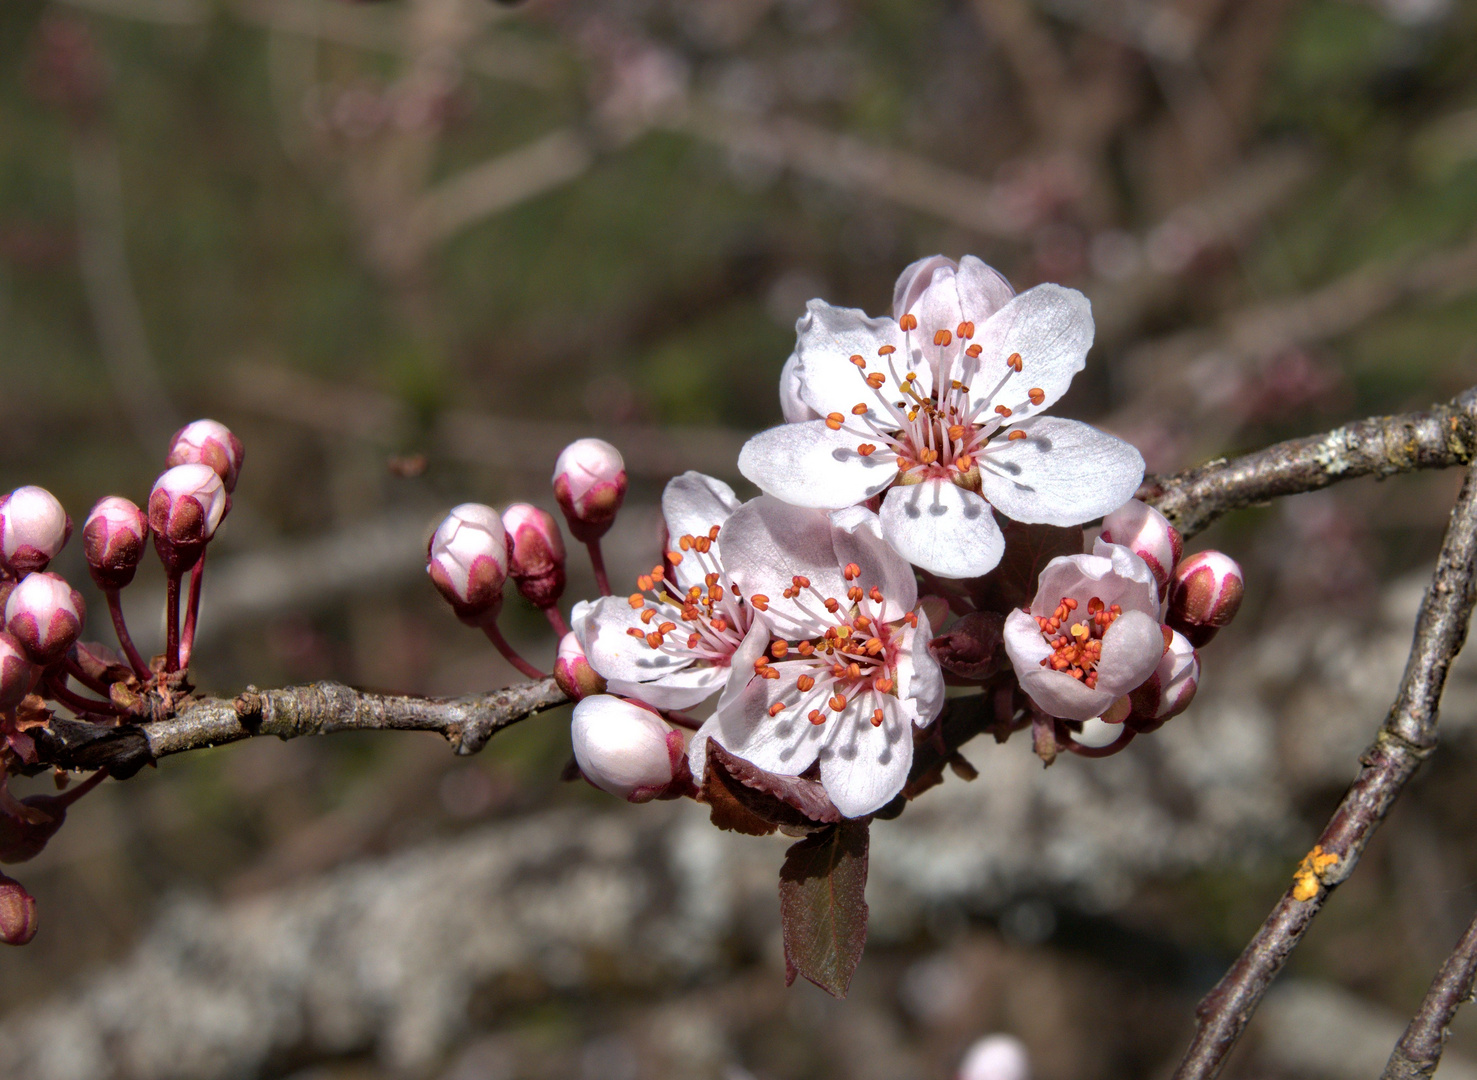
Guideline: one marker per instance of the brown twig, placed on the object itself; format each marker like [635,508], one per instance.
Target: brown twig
[318,709]
[1437,438]
[1406,738]
[1418,1052]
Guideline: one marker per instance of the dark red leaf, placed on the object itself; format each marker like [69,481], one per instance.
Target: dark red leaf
[780,800]
[823,906]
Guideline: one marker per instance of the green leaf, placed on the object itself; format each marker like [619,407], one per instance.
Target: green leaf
[823,906]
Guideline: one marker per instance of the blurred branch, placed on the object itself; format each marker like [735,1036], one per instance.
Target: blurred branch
[1406,738]
[1419,1051]
[318,709]
[1443,436]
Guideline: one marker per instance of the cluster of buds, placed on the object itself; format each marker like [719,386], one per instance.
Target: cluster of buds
[41,656]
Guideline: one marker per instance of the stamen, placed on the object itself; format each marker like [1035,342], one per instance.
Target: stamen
[637,600]
[877,717]
[800,581]
[973,352]
[816,717]
[908,321]
[882,684]
[1014,435]
[1002,410]
[837,703]
[866,449]
[858,361]
[759,601]
[644,582]
[876,379]
[964,461]
[942,337]
[654,640]
[834,421]
[778,649]
[887,350]
[675,558]
[777,708]
[966,329]
[854,594]
[859,409]
[1014,362]
[852,571]
[876,595]
[648,615]
[1036,394]
[804,684]
[956,431]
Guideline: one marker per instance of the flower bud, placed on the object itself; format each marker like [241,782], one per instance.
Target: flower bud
[113,540]
[206,442]
[1149,535]
[33,528]
[572,670]
[1169,691]
[468,561]
[973,646]
[23,839]
[590,484]
[185,508]
[535,554]
[625,748]
[1204,595]
[45,614]
[17,912]
[996,1057]
[17,673]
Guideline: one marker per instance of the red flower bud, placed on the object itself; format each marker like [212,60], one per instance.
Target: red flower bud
[467,559]
[1149,535]
[17,673]
[21,840]
[572,670]
[535,554]
[1169,691]
[113,540]
[17,912]
[33,528]
[206,442]
[973,646]
[45,614]
[1204,595]
[590,484]
[185,508]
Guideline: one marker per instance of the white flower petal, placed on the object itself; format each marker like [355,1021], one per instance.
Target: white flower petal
[983,290]
[769,543]
[1113,574]
[1023,641]
[811,465]
[920,679]
[858,539]
[1131,651]
[618,655]
[828,338]
[1063,473]
[863,767]
[1058,694]
[681,688]
[792,406]
[691,505]
[786,744]
[914,279]
[1051,327]
[942,528]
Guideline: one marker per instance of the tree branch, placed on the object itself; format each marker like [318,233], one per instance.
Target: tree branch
[318,709]
[1406,738]
[1442,436]
[1418,1052]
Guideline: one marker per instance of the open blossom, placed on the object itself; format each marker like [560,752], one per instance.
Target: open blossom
[1091,635]
[670,644]
[836,668]
[940,409]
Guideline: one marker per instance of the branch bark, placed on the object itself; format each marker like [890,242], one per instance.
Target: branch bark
[1418,1052]
[1436,438]
[1406,738]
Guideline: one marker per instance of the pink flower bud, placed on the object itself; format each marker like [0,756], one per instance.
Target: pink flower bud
[33,528]
[17,673]
[996,1057]
[1204,595]
[185,508]
[17,912]
[468,561]
[573,673]
[535,554]
[1169,691]
[206,442]
[625,748]
[45,614]
[973,647]
[113,540]
[590,484]
[1149,535]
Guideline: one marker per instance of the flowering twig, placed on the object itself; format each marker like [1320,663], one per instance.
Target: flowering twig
[1442,436]
[1406,738]
[1418,1052]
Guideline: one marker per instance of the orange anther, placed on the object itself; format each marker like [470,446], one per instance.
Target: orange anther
[964,462]
[1014,361]
[874,645]
[675,558]
[859,409]
[648,615]
[761,662]
[636,600]
[866,449]
[720,624]
[685,543]
[928,456]
[777,708]
[816,717]
[834,421]
[832,604]
[973,351]
[854,594]
[942,337]
[1095,605]
[876,379]
[693,639]
[837,703]
[713,533]
[852,571]
[1002,410]
[956,431]
[657,573]
[635,633]
[875,594]
[666,628]
[858,361]
[1014,435]
[643,582]
[800,581]
[779,649]
[1036,394]
[760,602]
[887,350]
[877,717]
[805,648]
[908,321]
[966,329]
[804,684]
[654,640]
[882,684]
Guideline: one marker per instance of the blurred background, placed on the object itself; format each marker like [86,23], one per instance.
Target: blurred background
[408,249]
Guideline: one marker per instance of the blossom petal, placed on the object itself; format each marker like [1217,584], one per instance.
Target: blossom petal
[792,406]
[811,465]
[691,505]
[1113,574]
[914,280]
[1058,694]
[863,767]
[1023,641]
[1051,328]
[1063,473]
[786,744]
[943,528]
[1131,651]
[771,542]
[858,539]
[681,688]
[921,682]
[828,338]
[983,290]
[616,654]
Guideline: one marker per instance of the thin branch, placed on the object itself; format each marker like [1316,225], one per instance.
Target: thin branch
[1418,1052]
[1406,738]
[318,709]
[1440,437]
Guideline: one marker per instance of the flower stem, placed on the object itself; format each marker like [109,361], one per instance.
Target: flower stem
[556,620]
[187,639]
[171,622]
[71,795]
[74,669]
[597,561]
[76,702]
[115,608]
[495,636]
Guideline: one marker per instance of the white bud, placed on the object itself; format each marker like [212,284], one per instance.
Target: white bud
[590,484]
[208,442]
[623,748]
[45,614]
[996,1057]
[186,505]
[1148,534]
[33,528]
[468,560]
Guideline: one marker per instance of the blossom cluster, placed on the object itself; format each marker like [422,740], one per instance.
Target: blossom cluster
[915,483]
[43,662]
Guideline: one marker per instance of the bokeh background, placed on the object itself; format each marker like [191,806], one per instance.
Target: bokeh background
[408,249]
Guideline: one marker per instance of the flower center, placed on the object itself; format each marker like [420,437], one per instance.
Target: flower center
[940,433]
[850,663]
[705,624]
[1077,645]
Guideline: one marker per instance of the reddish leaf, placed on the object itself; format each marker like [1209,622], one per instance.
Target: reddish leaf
[823,906]
[779,800]
[1028,548]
